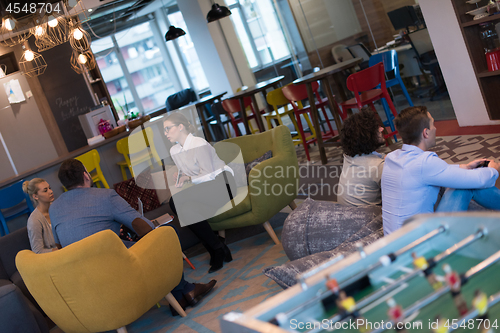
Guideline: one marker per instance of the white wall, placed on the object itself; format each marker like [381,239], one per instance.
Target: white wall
[455,63]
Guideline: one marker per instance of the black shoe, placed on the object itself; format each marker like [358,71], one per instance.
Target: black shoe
[227,253]
[217,260]
[183,303]
[199,291]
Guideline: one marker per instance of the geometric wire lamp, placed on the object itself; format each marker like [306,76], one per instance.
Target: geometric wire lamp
[11,32]
[42,40]
[57,29]
[82,61]
[79,38]
[217,12]
[32,64]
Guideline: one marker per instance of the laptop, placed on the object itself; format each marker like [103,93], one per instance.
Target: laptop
[158,222]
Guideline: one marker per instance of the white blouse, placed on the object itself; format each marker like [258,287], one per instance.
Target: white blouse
[198,160]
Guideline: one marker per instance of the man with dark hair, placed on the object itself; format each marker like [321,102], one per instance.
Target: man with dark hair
[359,183]
[84,211]
[413,176]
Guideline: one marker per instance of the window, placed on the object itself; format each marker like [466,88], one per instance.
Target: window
[134,69]
[188,53]
[259,32]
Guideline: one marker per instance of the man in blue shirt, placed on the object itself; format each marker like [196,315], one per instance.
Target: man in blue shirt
[84,211]
[413,176]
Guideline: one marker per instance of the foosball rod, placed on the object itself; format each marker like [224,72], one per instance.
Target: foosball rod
[392,256]
[342,285]
[494,299]
[443,290]
[388,288]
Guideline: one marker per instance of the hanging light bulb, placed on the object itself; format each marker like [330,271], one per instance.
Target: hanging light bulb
[77,34]
[28,55]
[82,59]
[10,24]
[52,21]
[39,31]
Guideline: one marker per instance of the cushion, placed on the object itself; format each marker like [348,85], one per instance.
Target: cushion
[129,191]
[248,166]
[317,226]
[286,274]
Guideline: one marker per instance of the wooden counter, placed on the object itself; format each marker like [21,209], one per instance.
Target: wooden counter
[60,159]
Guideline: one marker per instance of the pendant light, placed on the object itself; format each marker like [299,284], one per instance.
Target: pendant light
[31,63]
[174,33]
[217,12]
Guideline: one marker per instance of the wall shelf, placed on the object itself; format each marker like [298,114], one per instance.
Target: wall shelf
[483,20]
[489,82]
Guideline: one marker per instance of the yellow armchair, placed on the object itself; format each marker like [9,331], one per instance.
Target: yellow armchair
[97,284]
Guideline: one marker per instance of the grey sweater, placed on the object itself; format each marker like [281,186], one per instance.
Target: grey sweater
[40,233]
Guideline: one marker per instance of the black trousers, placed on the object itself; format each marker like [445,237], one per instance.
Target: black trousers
[202,195]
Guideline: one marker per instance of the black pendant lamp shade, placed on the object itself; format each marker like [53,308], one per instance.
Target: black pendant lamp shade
[217,12]
[174,33]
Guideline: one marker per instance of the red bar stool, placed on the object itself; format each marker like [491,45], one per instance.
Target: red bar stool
[232,107]
[295,93]
[363,84]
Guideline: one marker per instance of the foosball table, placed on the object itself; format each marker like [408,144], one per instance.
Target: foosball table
[438,273]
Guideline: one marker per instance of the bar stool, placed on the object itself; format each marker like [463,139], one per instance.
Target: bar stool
[276,99]
[363,84]
[391,64]
[136,149]
[295,94]
[91,160]
[232,107]
[12,205]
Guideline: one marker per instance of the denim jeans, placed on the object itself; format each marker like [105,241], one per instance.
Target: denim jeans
[454,200]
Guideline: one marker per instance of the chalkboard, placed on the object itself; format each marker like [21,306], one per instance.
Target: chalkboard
[67,94]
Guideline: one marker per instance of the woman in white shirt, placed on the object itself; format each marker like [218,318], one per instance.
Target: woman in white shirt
[39,227]
[197,162]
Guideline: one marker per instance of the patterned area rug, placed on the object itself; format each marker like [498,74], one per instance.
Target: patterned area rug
[240,286]
[320,181]
[452,149]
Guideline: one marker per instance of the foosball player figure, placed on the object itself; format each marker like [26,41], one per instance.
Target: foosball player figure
[395,314]
[421,263]
[348,304]
[441,325]
[480,303]
[453,280]
[333,285]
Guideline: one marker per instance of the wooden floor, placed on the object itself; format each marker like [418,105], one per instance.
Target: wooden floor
[451,127]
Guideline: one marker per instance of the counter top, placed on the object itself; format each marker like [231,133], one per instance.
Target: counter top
[60,159]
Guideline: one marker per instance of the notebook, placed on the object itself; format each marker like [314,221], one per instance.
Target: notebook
[158,222]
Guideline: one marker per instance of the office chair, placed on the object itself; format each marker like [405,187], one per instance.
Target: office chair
[427,60]
[360,51]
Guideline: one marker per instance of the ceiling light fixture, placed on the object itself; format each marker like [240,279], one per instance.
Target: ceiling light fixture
[29,55]
[217,12]
[52,21]
[10,23]
[77,34]
[174,33]
[82,61]
[31,63]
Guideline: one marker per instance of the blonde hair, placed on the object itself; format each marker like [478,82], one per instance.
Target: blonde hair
[31,187]
[178,118]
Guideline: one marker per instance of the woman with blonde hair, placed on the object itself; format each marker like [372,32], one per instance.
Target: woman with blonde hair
[39,227]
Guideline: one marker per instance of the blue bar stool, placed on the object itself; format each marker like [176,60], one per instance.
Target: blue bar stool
[12,205]
[391,63]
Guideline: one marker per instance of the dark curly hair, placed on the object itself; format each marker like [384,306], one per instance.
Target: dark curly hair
[361,133]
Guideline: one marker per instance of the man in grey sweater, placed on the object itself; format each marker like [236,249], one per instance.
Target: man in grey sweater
[84,211]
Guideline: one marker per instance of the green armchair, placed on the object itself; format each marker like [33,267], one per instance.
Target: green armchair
[272,184]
